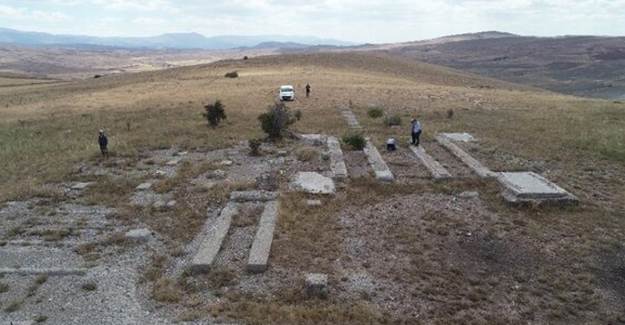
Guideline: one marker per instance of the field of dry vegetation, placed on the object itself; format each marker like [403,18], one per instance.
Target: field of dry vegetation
[443,260]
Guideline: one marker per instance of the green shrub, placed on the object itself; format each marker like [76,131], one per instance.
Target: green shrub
[297,114]
[276,120]
[392,120]
[356,141]
[232,74]
[375,112]
[214,113]
[254,145]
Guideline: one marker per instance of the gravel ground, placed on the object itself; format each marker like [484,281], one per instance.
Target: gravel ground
[357,164]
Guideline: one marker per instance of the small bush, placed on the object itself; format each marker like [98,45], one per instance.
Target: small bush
[375,112]
[355,141]
[40,318]
[254,145]
[214,113]
[450,113]
[276,120]
[89,286]
[245,57]
[298,115]
[13,306]
[232,74]
[4,287]
[392,120]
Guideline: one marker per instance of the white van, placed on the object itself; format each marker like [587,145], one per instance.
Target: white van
[287,93]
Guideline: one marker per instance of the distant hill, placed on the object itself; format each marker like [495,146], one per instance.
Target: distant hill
[165,41]
[579,65]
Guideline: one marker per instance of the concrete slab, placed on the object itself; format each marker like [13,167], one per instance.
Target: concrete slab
[81,186]
[173,162]
[144,186]
[531,187]
[475,165]
[253,196]
[140,235]
[380,169]
[313,203]
[313,183]
[435,168]
[337,160]
[259,254]
[460,137]
[210,246]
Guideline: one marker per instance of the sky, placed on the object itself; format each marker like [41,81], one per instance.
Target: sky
[361,21]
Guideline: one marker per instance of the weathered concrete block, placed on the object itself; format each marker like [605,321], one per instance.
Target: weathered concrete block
[144,186]
[314,183]
[524,187]
[313,203]
[469,195]
[435,168]
[259,254]
[475,165]
[380,169]
[173,162]
[253,196]
[142,234]
[210,246]
[317,285]
[81,186]
[337,161]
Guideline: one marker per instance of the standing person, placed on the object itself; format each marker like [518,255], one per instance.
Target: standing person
[307,90]
[103,141]
[416,131]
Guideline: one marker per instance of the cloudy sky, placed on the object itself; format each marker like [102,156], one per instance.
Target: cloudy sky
[352,20]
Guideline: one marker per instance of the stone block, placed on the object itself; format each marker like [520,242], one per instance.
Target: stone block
[211,244]
[337,160]
[314,183]
[313,139]
[144,186]
[81,186]
[523,187]
[142,234]
[259,254]
[317,285]
[313,203]
[380,169]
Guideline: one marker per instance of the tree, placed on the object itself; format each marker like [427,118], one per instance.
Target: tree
[214,113]
[276,120]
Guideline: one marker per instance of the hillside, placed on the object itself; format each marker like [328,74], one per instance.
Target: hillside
[579,65]
[125,230]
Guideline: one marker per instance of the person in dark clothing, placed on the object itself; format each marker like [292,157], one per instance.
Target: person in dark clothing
[416,131]
[307,90]
[103,141]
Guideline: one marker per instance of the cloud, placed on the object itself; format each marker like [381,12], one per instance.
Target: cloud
[358,20]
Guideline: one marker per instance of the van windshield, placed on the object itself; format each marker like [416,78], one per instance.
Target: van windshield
[286,89]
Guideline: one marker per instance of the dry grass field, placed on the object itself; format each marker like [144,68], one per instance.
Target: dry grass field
[532,265]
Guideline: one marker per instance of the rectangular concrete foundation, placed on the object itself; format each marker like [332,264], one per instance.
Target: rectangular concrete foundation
[259,254]
[475,165]
[529,187]
[381,170]
[210,246]
[337,162]
[436,169]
